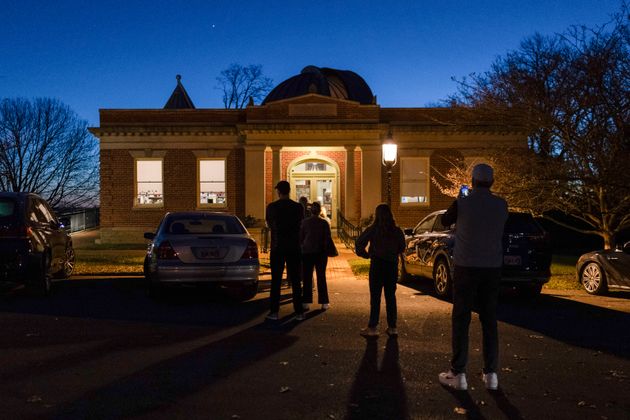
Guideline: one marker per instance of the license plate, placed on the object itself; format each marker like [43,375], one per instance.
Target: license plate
[512,260]
[209,253]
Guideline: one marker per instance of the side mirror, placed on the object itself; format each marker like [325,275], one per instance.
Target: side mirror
[149,235]
[65,222]
[626,247]
[408,232]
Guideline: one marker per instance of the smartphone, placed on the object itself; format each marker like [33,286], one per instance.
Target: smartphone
[464,191]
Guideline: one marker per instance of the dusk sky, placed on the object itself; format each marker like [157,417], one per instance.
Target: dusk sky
[125,54]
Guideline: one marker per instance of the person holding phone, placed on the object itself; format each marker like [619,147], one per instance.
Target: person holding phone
[480,218]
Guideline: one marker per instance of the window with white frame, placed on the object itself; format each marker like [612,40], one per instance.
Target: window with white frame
[212,182]
[149,184]
[414,180]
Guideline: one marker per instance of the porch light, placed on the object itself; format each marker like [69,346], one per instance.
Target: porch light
[390,157]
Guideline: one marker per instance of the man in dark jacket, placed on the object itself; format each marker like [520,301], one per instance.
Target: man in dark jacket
[284,217]
[478,257]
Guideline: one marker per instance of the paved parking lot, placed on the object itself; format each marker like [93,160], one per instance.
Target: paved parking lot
[102,348]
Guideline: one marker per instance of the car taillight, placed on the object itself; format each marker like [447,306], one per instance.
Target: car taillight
[251,251]
[166,252]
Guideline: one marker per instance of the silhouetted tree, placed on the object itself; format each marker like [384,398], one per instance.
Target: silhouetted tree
[46,148]
[572,95]
[239,83]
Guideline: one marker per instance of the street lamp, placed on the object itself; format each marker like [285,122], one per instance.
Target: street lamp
[390,151]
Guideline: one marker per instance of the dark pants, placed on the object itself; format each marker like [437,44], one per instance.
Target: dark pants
[478,288]
[383,275]
[319,262]
[278,258]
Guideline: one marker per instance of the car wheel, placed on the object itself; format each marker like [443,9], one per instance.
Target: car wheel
[402,272]
[68,265]
[593,279]
[39,280]
[442,278]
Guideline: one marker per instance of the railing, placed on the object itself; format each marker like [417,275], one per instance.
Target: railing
[346,231]
[80,219]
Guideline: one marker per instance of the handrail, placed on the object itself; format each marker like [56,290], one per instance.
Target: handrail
[346,231]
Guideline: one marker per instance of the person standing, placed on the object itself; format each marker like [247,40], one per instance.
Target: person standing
[478,257]
[387,242]
[314,236]
[284,217]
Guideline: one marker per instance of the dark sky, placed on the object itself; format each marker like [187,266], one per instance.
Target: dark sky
[125,54]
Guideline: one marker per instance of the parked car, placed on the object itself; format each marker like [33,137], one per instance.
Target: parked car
[526,255]
[599,271]
[203,248]
[34,246]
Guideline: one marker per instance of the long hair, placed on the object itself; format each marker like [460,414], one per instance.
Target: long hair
[383,219]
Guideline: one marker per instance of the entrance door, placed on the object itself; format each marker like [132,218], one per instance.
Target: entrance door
[320,186]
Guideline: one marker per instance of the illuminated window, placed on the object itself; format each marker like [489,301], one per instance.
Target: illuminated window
[212,182]
[149,185]
[414,180]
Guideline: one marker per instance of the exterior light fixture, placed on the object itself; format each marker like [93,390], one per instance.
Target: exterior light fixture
[390,157]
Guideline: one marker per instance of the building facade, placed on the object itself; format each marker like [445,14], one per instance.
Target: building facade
[321,130]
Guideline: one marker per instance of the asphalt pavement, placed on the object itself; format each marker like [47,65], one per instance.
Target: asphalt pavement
[103,348]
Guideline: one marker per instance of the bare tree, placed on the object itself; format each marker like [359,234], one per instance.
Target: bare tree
[240,83]
[46,149]
[572,93]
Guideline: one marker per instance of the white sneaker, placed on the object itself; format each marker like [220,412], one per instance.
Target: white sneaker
[491,380]
[306,306]
[457,382]
[300,317]
[272,316]
[325,306]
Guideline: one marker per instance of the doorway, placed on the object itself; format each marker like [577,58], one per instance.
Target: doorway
[317,181]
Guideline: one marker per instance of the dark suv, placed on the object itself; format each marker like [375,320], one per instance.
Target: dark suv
[34,247]
[526,253]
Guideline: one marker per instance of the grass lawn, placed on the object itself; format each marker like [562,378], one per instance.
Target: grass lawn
[119,259]
[562,271]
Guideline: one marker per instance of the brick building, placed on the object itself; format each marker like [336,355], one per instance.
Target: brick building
[322,130]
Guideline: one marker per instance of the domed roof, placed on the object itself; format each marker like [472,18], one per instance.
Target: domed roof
[342,84]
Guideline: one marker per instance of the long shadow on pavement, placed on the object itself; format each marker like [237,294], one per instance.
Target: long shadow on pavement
[572,322]
[378,394]
[165,383]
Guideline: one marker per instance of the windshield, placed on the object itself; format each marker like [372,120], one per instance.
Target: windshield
[522,223]
[204,224]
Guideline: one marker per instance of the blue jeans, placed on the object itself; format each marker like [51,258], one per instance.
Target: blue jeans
[383,276]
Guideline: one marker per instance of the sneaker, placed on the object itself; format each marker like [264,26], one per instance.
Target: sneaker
[369,332]
[325,306]
[392,332]
[300,317]
[490,380]
[457,382]
[306,306]
[272,316]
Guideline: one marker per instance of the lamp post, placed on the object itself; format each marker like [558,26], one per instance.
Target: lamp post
[390,151]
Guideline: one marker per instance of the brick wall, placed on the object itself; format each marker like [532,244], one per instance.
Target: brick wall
[120,220]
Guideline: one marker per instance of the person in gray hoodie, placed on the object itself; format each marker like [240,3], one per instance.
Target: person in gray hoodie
[478,258]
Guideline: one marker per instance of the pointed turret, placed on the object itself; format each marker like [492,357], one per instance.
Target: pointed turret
[179,98]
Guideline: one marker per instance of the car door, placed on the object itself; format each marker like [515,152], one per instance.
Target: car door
[618,269]
[415,254]
[437,243]
[55,238]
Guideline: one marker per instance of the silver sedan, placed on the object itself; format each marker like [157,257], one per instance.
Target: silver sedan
[203,248]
